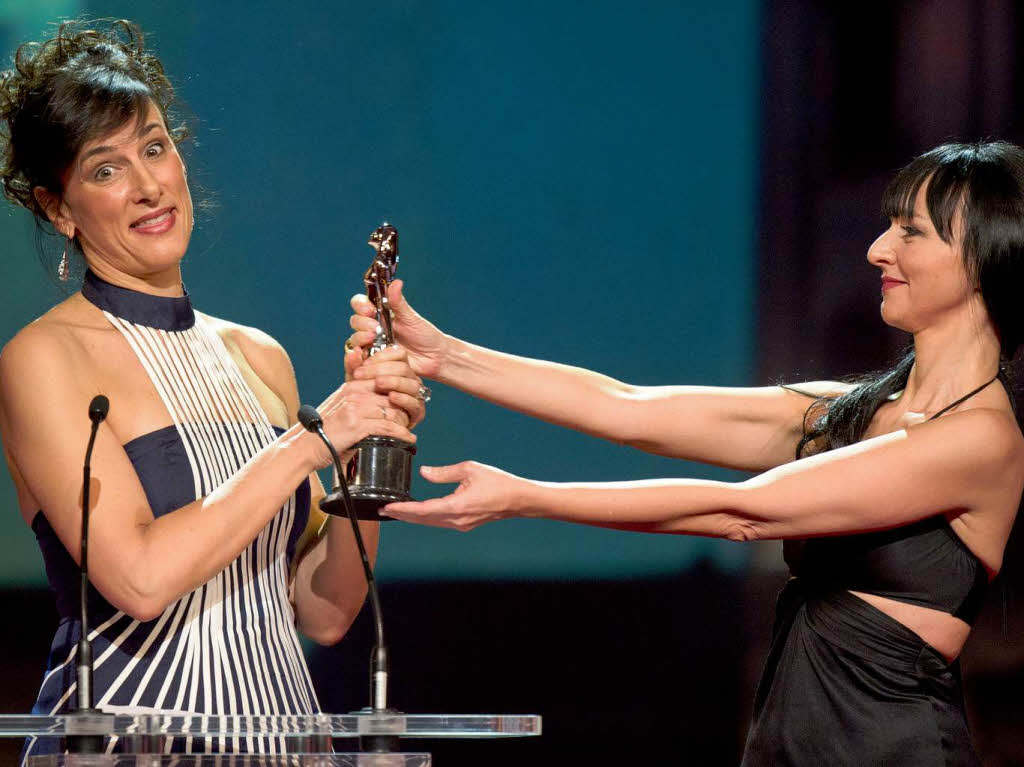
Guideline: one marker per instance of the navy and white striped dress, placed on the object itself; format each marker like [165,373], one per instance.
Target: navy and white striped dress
[230,646]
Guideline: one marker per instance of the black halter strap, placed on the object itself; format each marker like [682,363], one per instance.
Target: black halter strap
[964,398]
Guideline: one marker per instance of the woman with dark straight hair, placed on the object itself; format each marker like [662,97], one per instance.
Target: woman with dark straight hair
[207,548]
[895,493]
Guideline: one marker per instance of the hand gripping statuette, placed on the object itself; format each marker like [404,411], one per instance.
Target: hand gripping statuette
[381,469]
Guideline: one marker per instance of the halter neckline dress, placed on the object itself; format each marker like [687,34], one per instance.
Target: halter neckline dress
[230,646]
[845,684]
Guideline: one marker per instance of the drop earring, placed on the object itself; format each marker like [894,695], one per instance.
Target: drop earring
[62,268]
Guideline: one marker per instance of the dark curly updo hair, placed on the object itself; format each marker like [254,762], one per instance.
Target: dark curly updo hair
[86,82]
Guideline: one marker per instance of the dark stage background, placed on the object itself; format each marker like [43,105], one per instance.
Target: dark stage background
[730,159]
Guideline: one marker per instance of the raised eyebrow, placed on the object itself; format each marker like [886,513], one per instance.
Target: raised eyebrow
[146,129]
[104,149]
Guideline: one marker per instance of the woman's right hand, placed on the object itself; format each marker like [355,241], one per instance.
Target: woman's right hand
[425,344]
[355,411]
[484,494]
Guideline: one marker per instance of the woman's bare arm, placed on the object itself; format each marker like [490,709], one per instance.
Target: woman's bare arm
[138,562]
[969,465]
[752,429]
[746,428]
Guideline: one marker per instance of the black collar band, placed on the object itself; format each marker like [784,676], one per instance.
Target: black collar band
[162,312]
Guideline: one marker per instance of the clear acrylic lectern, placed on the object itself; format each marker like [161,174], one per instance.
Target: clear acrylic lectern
[299,741]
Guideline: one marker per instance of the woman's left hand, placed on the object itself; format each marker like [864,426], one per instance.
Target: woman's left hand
[389,373]
[484,494]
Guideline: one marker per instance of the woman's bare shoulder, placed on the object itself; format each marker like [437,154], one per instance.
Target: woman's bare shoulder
[260,351]
[996,427]
[50,364]
[51,336]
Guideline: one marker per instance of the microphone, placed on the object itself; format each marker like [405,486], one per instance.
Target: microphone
[98,409]
[311,421]
[87,744]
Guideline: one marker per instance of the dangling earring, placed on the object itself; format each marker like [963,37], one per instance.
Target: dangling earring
[62,268]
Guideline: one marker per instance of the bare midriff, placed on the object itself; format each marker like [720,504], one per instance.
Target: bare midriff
[944,632]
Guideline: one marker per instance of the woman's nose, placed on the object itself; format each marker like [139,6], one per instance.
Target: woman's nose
[147,188]
[881,250]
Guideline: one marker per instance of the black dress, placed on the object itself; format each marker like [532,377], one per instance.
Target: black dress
[844,683]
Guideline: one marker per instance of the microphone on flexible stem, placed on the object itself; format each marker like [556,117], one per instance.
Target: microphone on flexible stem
[311,421]
[87,744]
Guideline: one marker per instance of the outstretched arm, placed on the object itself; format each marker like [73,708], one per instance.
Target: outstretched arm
[752,429]
[969,464]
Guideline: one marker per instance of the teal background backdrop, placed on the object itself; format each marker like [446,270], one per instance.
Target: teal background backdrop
[568,185]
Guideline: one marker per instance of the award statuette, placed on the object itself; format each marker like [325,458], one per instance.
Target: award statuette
[381,469]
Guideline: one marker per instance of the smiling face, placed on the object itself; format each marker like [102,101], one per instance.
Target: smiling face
[923,277]
[126,199]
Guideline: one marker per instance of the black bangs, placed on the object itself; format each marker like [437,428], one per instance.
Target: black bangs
[947,170]
[898,198]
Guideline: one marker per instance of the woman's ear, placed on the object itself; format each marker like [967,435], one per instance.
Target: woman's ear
[55,210]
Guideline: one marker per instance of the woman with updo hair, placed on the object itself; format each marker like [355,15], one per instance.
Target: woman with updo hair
[894,493]
[207,548]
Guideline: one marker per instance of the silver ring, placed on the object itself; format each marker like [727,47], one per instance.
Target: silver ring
[424,393]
